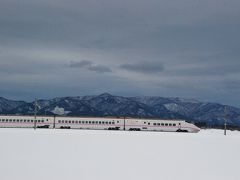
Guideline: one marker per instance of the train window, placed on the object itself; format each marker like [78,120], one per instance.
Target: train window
[113,122]
[93,122]
[47,119]
[73,122]
[158,124]
[154,124]
[3,120]
[170,124]
[69,121]
[100,122]
[86,122]
[103,122]
[10,120]
[174,124]
[42,121]
[0,120]
[66,121]
[144,122]
[96,122]
[117,121]
[162,124]
[166,124]
[110,122]
[39,121]
[28,120]
[90,122]
[106,122]
[25,120]
[14,120]
[148,123]
[6,120]
[59,121]
[21,120]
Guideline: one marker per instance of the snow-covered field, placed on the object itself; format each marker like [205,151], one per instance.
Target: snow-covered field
[26,154]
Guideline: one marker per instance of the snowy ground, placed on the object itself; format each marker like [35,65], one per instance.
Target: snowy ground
[26,154]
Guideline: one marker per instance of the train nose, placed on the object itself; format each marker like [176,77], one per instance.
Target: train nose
[196,129]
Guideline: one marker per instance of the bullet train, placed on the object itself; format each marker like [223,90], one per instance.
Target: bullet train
[101,123]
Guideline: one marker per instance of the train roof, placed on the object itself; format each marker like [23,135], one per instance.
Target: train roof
[105,117]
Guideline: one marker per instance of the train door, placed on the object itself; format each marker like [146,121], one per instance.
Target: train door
[179,125]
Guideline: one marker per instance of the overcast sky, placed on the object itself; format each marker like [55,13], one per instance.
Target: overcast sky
[177,48]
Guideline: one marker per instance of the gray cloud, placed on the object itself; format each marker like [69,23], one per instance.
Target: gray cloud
[99,68]
[90,66]
[80,64]
[187,48]
[144,67]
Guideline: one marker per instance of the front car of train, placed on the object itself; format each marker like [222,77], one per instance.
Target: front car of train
[189,127]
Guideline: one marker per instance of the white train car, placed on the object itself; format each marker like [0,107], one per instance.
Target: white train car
[26,121]
[160,125]
[89,123]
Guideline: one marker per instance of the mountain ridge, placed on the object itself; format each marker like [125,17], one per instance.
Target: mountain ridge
[202,113]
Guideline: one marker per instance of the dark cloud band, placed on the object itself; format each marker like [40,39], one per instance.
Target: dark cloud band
[144,67]
[89,65]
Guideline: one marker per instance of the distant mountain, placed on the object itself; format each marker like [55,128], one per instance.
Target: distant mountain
[7,105]
[203,114]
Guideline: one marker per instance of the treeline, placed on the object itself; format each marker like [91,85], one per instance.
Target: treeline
[205,125]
